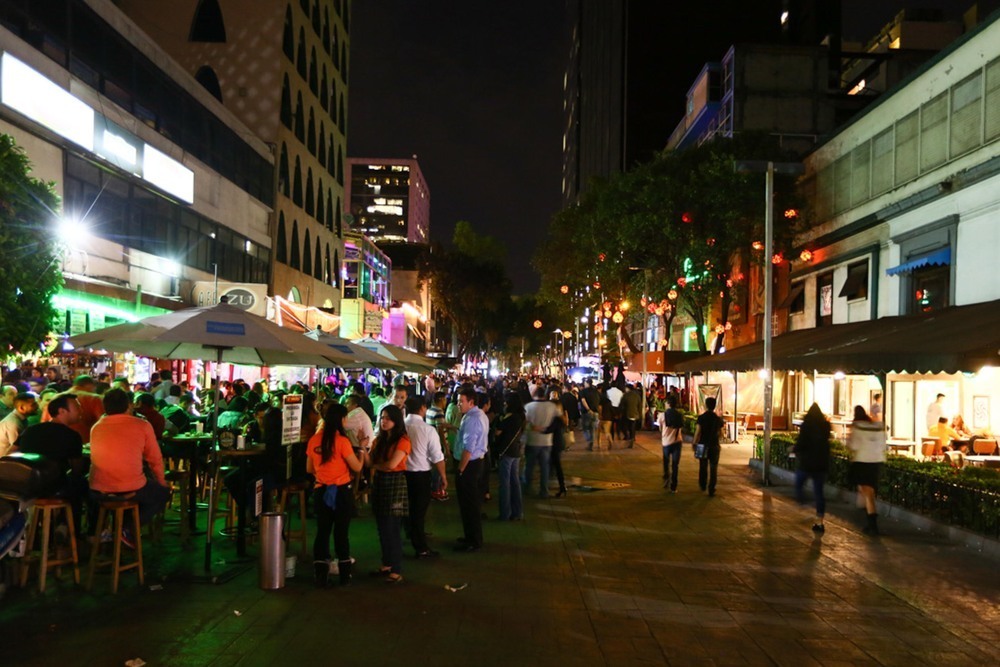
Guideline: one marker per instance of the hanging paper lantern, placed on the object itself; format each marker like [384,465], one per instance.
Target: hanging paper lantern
[682,281]
[757,245]
[791,214]
[607,313]
[658,312]
[711,241]
[806,255]
[777,259]
[662,342]
[729,326]
[719,329]
[651,308]
[687,217]
[617,318]
[564,289]
[642,302]
[672,295]
[601,257]
[597,285]
[606,305]
[538,324]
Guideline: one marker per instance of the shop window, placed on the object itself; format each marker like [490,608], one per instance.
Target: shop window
[824,299]
[294,260]
[307,262]
[208,25]
[209,81]
[856,285]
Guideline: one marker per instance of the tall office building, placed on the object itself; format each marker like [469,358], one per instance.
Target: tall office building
[623,58]
[281,66]
[388,199]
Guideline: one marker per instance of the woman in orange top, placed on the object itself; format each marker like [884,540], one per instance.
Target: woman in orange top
[330,458]
[389,499]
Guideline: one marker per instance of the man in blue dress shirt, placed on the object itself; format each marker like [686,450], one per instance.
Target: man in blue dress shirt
[470,448]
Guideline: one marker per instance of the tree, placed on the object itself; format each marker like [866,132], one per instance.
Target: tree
[29,257]
[470,286]
[684,224]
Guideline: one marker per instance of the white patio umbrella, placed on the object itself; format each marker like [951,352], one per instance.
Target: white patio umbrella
[410,361]
[364,357]
[220,333]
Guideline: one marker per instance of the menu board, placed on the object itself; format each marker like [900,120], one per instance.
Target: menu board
[291,419]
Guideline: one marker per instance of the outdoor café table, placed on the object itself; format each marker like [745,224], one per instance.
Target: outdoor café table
[241,456]
[909,446]
[843,424]
[186,446]
[983,461]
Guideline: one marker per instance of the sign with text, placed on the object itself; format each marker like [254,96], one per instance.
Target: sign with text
[251,297]
[291,419]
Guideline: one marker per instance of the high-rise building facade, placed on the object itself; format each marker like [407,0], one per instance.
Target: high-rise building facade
[281,66]
[388,199]
[162,187]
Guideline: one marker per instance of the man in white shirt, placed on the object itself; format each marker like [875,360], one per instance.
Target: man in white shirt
[539,413]
[425,453]
[935,411]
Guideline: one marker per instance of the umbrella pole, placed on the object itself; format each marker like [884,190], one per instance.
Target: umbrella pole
[211,487]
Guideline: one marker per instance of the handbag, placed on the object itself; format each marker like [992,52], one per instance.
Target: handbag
[700,451]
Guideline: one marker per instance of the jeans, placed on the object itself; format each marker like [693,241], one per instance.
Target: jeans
[337,520]
[510,488]
[708,469]
[671,459]
[534,453]
[588,422]
[151,498]
[817,482]
[391,541]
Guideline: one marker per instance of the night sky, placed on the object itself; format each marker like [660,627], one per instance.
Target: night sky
[474,90]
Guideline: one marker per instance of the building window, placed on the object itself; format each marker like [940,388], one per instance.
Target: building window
[824,299]
[281,243]
[320,209]
[295,261]
[340,224]
[326,30]
[321,153]
[310,196]
[300,56]
[318,263]
[335,276]
[856,285]
[208,25]
[307,263]
[286,104]
[284,179]
[297,183]
[288,38]
[931,288]
[311,134]
[209,81]
[300,119]
[324,92]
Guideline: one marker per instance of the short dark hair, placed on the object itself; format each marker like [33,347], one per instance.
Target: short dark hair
[175,390]
[413,404]
[166,375]
[940,396]
[59,402]
[116,402]
[710,403]
[671,400]
[469,393]
[24,397]
[942,420]
[81,380]
[145,400]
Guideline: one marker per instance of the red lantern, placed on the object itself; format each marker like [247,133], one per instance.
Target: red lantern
[806,256]
[597,285]
[757,245]
[601,257]
[686,217]
[682,281]
[777,259]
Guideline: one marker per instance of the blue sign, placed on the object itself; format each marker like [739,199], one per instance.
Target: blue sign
[227,328]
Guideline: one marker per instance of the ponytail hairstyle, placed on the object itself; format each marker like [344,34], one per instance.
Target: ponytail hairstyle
[333,424]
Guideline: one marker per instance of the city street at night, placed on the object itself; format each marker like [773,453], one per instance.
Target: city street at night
[619,572]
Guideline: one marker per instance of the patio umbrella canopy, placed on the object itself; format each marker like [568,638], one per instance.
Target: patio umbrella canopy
[364,357]
[202,333]
[410,361]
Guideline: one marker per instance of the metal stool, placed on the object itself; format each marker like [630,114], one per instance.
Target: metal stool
[43,512]
[299,490]
[112,511]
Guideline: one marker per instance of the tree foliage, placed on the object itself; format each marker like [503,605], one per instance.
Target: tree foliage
[29,257]
[686,221]
[469,285]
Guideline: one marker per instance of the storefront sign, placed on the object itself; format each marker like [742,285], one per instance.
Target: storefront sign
[251,297]
[373,322]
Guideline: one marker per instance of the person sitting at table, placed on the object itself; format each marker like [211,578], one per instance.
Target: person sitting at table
[234,416]
[958,424]
[176,418]
[270,468]
[145,407]
[945,435]
[120,445]
[56,439]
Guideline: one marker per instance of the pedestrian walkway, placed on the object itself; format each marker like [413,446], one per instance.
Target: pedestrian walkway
[623,575]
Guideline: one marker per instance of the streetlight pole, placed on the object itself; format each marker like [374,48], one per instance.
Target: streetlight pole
[769,168]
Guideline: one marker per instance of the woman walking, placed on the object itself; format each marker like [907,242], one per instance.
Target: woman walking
[558,429]
[330,459]
[509,445]
[867,444]
[812,457]
[389,499]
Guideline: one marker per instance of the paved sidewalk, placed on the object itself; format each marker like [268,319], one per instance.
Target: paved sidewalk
[620,576]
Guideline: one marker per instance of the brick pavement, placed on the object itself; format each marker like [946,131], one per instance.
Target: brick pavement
[611,577]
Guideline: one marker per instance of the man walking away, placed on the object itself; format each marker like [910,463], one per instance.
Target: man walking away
[707,433]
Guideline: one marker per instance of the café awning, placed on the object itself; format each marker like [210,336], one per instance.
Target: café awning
[939,257]
[661,361]
[950,340]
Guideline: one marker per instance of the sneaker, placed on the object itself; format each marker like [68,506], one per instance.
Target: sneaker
[127,538]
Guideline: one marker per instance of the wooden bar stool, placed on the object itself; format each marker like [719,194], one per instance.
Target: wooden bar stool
[111,517]
[299,490]
[44,511]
